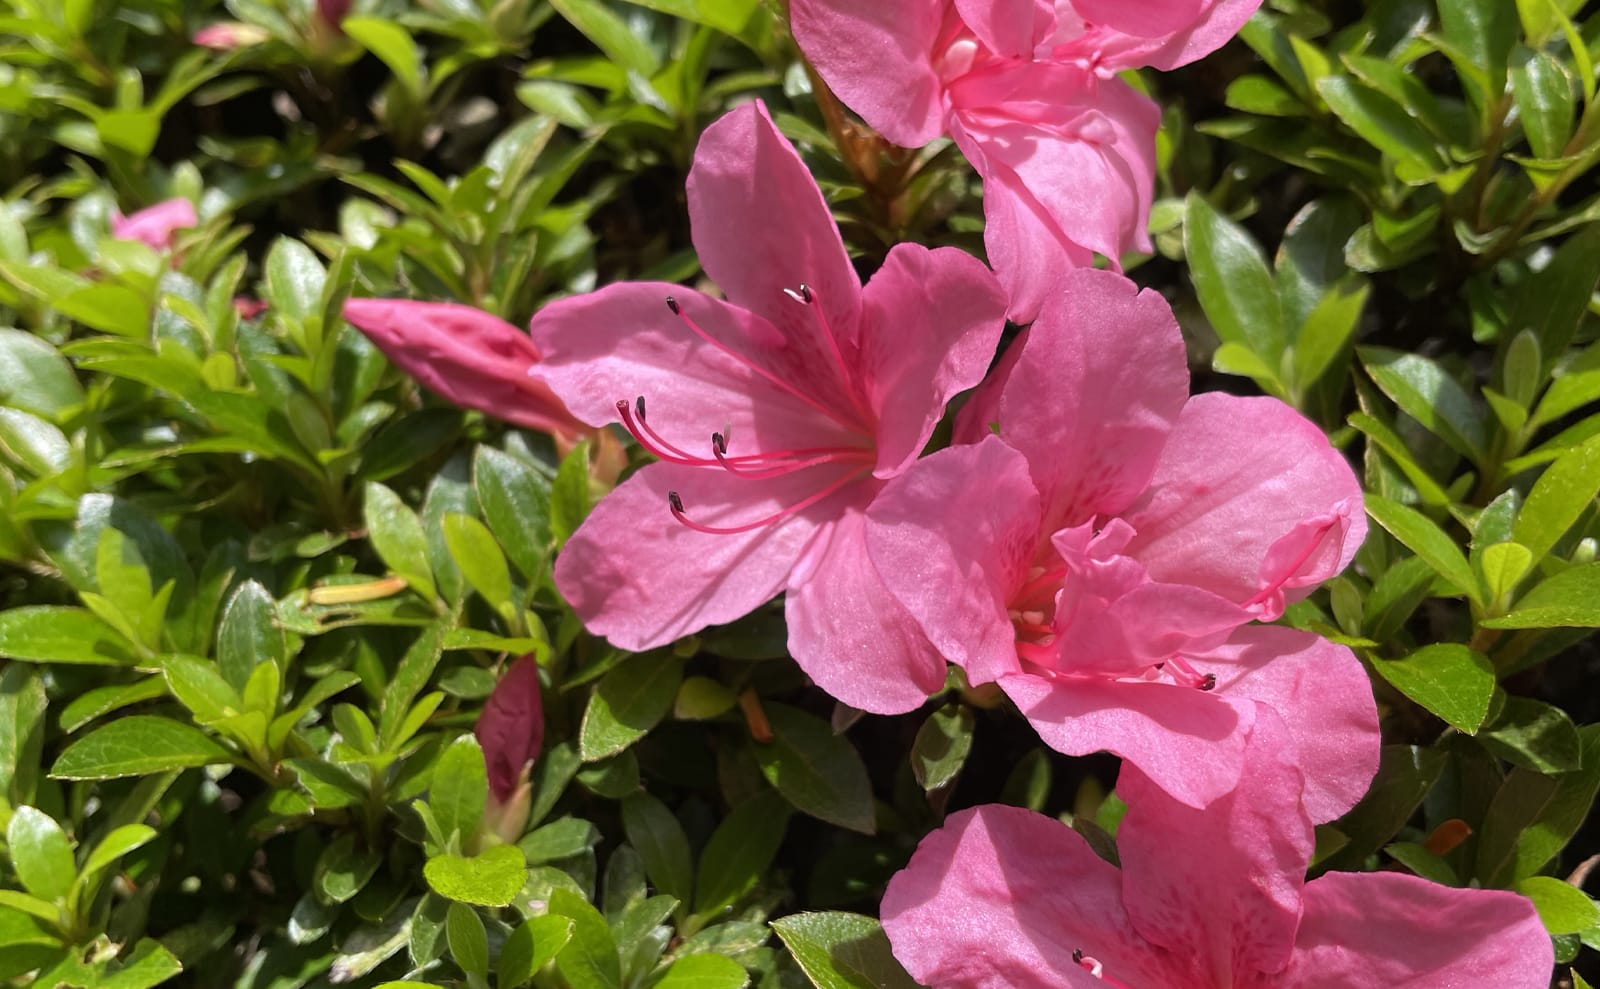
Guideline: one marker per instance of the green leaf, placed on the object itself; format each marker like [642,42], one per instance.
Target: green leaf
[654,832]
[1483,30]
[740,851]
[1427,394]
[459,789]
[704,971]
[22,709]
[1328,330]
[35,444]
[610,34]
[342,870]
[137,745]
[294,279]
[491,879]
[198,686]
[473,548]
[469,943]
[415,669]
[842,951]
[1422,862]
[249,634]
[1381,122]
[40,854]
[627,703]
[941,746]
[1570,599]
[118,843]
[515,500]
[35,378]
[1503,565]
[1533,816]
[56,634]
[1563,908]
[530,946]
[820,773]
[1419,534]
[569,494]
[1534,734]
[1559,498]
[392,44]
[396,534]
[1452,681]
[561,838]
[1553,301]
[701,699]
[1543,94]
[1405,775]
[1233,282]
[589,960]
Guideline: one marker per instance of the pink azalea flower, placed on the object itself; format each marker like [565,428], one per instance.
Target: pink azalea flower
[1121,537]
[1003,898]
[1067,153]
[155,225]
[475,360]
[228,35]
[776,415]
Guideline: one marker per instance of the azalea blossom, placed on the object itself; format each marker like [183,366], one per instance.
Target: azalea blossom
[775,415]
[1123,534]
[1003,898]
[474,359]
[228,35]
[155,225]
[1025,88]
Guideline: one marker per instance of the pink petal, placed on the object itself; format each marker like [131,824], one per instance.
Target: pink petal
[1237,478]
[227,35]
[929,325]
[1099,384]
[475,360]
[1384,930]
[1213,30]
[761,226]
[155,225]
[1187,741]
[1220,886]
[953,551]
[637,576]
[1000,898]
[1322,693]
[623,342]
[849,633]
[896,90]
[1007,27]
[1069,164]
[511,727]
[1146,19]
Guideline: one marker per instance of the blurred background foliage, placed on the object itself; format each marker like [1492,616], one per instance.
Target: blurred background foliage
[257,587]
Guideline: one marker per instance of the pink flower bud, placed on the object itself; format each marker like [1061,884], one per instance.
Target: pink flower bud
[511,728]
[155,225]
[228,35]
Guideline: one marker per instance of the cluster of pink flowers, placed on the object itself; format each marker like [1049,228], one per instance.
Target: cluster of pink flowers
[1095,541]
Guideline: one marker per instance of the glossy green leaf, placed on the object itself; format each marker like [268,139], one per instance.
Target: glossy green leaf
[1448,679]
[294,279]
[57,634]
[40,853]
[1561,495]
[1427,394]
[137,745]
[249,634]
[482,563]
[1534,734]
[198,686]
[1570,599]
[627,703]
[704,971]
[515,500]
[396,534]
[589,960]
[1381,122]
[609,33]
[740,851]
[343,868]
[490,879]
[34,377]
[1424,538]
[941,746]
[655,833]
[569,494]
[530,946]
[469,943]
[820,773]
[1563,908]
[392,44]
[1543,92]
[1234,284]
[842,951]
[459,789]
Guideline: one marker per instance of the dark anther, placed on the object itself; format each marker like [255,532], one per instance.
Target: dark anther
[675,502]
[1209,683]
[1077,956]
[638,407]
[805,293]
[673,305]
[719,443]
[1161,666]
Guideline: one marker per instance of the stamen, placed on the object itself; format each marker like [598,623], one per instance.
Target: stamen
[677,310]
[676,504]
[1187,675]
[808,298]
[1094,967]
[781,462]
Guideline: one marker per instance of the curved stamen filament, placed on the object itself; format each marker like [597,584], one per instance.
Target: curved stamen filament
[636,425]
[760,465]
[808,298]
[676,504]
[677,310]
